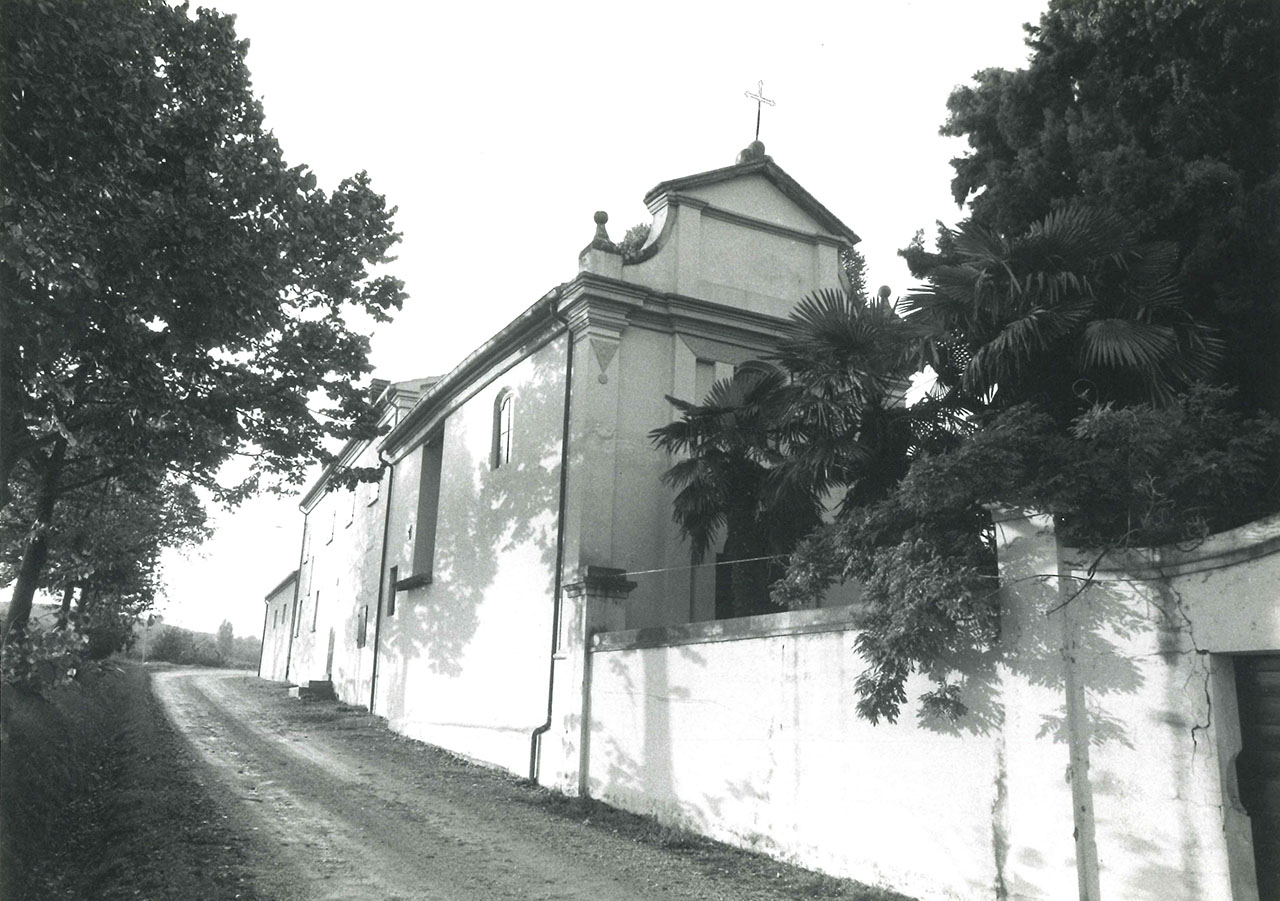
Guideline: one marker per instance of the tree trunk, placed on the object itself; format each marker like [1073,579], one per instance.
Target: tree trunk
[749,580]
[37,552]
[64,612]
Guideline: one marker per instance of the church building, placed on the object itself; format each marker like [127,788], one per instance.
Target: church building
[514,590]
[436,596]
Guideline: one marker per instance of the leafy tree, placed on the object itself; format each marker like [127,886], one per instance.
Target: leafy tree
[172,293]
[1140,475]
[226,640]
[105,538]
[1166,114]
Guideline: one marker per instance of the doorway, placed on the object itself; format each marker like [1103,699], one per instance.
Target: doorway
[1258,765]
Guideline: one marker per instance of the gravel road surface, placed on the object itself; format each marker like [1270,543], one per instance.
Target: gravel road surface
[338,807]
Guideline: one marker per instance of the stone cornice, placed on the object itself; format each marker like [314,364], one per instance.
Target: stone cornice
[531,329]
[391,398]
[795,234]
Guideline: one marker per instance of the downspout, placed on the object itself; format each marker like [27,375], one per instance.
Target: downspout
[382,575]
[262,648]
[297,586]
[535,740]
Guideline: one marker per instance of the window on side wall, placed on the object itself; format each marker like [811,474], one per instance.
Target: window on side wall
[362,626]
[315,612]
[504,408]
[391,591]
[424,536]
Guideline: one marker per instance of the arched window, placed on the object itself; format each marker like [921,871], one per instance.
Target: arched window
[503,419]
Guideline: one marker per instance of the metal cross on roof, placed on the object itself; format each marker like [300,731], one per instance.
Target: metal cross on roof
[759,98]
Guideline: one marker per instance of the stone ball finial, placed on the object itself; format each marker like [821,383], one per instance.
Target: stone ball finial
[753,151]
[601,240]
[884,292]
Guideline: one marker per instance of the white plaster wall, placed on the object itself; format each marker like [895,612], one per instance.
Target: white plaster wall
[314,575]
[275,642]
[644,537]
[1169,828]
[756,742]
[353,558]
[757,270]
[464,661]
[755,196]
[1161,728]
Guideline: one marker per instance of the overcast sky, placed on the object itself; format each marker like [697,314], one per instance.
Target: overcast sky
[499,131]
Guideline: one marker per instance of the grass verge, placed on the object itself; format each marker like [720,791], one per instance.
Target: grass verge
[100,799]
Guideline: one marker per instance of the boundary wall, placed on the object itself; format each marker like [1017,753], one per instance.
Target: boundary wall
[1098,758]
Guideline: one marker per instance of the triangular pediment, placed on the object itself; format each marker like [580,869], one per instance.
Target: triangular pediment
[757,189]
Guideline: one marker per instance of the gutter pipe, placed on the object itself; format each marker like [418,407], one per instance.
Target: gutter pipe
[262,648]
[382,576]
[535,740]
[297,587]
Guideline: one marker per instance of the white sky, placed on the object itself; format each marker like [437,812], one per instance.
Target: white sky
[499,129]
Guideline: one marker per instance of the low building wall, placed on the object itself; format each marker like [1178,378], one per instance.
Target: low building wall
[745,730]
[1098,760]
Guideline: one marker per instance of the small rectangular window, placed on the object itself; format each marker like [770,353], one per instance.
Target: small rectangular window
[391,591]
[315,612]
[424,539]
[362,626]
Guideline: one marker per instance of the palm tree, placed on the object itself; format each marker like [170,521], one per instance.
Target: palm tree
[729,443]
[766,451]
[1074,312]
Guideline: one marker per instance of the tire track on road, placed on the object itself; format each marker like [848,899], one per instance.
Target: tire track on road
[353,827]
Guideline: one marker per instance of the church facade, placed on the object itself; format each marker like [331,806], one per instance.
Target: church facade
[435,597]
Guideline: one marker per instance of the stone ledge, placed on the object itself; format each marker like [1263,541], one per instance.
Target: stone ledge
[794,622]
[1259,538]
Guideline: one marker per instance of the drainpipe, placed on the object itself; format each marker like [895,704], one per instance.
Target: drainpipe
[297,586]
[262,648]
[382,575]
[535,740]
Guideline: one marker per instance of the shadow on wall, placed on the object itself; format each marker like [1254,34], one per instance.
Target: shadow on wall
[488,519]
[1030,648]
[650,782]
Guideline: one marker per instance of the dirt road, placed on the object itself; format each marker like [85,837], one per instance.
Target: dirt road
[340,808]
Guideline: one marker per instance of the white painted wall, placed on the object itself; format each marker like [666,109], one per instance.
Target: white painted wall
[755,740]
[464,661]
[275,640]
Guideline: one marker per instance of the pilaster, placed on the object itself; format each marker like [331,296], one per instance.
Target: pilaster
[593,604]
[1041,644]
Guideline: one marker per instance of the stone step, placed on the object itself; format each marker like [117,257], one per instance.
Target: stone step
[314,690]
